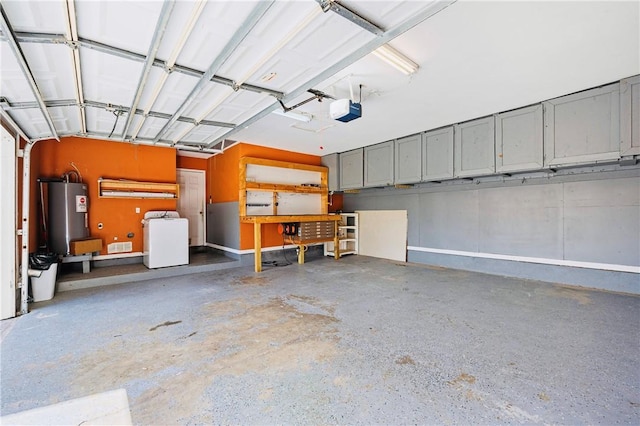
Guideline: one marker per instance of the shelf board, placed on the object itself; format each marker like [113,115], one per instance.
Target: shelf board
[115,188]
[288,218]
[301,189]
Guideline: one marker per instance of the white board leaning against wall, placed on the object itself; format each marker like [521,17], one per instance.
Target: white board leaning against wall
[383,234]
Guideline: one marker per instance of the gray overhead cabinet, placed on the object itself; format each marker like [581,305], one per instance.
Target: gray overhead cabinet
[586,128]
[378,164]
[437,154]
[630,116]
[351,164]
[408,159]
[331,162]
[519,140]
[583,128]
[474,153]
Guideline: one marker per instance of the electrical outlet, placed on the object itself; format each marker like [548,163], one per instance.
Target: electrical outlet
[138,210]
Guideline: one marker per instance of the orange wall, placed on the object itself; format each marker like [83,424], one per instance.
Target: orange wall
[98,158]
[222,178]
[191,163]
[225,185]
[336,203]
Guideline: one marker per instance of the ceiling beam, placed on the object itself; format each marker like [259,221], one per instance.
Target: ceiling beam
[196,11]
[72,32]
[161,26]
[147,141]
[62,103]
[24,66]
[259,63]
[4,115]
[30,37]
[345,12]
[254,17]
[363,51]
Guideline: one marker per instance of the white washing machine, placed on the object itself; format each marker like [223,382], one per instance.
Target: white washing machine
[166,239]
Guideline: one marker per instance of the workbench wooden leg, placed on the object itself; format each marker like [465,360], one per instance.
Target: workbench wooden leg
[257,246]
[300,254]
[336,246]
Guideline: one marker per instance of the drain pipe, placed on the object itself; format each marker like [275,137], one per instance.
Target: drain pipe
[24,225]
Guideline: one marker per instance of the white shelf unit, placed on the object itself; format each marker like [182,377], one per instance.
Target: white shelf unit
[347,234]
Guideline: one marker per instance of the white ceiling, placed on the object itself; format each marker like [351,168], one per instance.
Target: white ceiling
[476,58]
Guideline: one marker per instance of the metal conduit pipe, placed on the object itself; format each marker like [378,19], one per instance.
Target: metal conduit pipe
[24,227]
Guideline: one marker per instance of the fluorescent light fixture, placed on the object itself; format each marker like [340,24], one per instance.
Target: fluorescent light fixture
[300,116]
[396,59]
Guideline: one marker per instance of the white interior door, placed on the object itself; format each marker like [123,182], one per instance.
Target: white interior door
[191,203]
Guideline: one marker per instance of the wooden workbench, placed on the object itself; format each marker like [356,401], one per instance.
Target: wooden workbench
[257,233]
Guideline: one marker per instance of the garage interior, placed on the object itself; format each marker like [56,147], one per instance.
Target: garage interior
[320,212]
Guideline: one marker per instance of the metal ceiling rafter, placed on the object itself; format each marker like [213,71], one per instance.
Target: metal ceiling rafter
[389,35]
[196,11]
[72,30]
[148,141]
[254,17]
[345,12]
[24,66]
[301,25]
[61,103]
[29,37]
[158,33]
[5,115]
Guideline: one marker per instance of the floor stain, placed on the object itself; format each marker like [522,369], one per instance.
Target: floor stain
[236,337]
[164,324]
[266,394]
[462,379]
[544,397]
[259,281]
[405,360]
[581,296]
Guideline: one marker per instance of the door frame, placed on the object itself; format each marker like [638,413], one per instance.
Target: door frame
[8,223]
[204,199]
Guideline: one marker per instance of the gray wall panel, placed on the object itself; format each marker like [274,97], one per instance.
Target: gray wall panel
[521,221]
[594,217]
[398,200]
[607,280]
[602,221]
[449,220]
[223,225]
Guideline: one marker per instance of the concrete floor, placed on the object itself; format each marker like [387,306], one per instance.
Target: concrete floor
[357,341]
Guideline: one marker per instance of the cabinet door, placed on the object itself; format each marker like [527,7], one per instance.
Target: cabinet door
[475,148]
[583,127]
[378,164]
[351,163]
[408,159]
[437,154]
[630,116]
[333,178]
[519,140]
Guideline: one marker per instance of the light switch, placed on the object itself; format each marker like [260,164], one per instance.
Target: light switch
[137,209]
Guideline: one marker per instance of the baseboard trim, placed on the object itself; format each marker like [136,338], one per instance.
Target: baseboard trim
[545,261]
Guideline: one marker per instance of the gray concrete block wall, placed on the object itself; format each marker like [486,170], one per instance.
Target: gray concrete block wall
[590,217]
